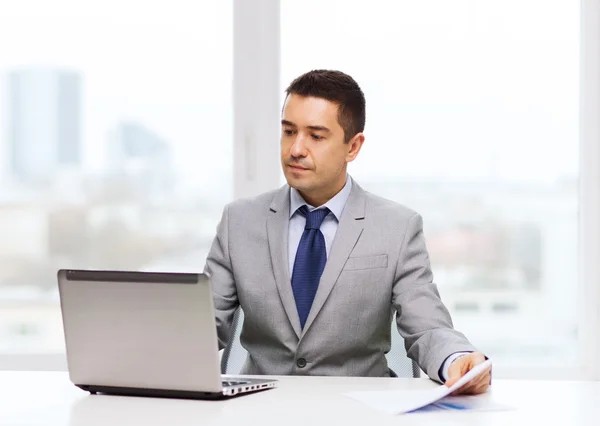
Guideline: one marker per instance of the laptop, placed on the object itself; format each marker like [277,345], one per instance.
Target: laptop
[145,334]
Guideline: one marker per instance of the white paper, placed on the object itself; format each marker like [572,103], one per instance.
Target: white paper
[463,402]
[403,401]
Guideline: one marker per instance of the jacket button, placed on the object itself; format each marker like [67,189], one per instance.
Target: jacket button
[301,363]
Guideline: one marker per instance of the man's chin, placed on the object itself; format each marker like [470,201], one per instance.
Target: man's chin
[297,182]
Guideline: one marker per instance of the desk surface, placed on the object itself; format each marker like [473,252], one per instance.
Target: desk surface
[48,398]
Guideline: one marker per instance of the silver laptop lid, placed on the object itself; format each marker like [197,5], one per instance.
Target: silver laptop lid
[140,330]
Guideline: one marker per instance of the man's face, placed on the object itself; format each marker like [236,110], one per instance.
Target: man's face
[313,153]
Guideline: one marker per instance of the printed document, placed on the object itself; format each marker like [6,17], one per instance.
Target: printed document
[404,401]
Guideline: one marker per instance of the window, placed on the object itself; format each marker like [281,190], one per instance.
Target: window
[115,145]
[472,120]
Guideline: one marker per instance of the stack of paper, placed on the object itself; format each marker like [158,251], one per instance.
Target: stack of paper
[404,401]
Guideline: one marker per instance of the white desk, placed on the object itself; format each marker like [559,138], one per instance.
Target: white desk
[48,398]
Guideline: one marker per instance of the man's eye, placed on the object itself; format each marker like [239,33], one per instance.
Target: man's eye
[317,137]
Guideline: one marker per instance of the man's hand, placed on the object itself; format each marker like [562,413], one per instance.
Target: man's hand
[461,366]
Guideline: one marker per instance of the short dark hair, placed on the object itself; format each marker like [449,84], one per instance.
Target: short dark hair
[336,87]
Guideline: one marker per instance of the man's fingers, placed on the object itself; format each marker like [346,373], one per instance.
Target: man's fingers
[461,366]
[457,369]
[476,386]
[451,382]
[482,387]
[476,358]
[466,389]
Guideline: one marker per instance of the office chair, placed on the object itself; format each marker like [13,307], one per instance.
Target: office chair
[399,364]
[234,354]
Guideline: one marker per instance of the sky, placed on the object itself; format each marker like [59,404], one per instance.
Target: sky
[461,89]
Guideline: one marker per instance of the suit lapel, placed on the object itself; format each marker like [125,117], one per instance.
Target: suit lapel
[277,233]
[348,232]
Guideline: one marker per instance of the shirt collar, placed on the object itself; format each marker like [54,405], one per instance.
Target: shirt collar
[335,205]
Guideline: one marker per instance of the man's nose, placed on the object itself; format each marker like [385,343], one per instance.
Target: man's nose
[298,147]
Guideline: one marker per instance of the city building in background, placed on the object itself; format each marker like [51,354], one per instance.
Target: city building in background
[45,119]
[140,156]
[54,214]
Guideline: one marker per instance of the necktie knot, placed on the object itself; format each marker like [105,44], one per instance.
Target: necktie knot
[315,218]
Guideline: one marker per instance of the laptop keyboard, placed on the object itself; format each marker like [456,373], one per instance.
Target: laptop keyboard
[225,383]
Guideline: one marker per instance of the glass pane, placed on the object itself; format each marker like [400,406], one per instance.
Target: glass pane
[472,120]
[115,146]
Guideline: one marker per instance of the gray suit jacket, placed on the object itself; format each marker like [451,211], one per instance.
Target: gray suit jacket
[378,263]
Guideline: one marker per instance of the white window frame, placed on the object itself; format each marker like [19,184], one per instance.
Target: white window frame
[256,96]
[589,193]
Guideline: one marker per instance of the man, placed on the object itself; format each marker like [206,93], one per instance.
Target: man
[320,265]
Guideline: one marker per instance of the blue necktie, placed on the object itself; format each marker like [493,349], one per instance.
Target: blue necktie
[310,261]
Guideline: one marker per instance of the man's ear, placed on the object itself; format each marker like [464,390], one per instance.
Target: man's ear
[354,146]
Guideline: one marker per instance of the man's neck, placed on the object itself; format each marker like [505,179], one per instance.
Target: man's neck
[318,199]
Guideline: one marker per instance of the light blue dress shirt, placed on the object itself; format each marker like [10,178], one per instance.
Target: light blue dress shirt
[329,228]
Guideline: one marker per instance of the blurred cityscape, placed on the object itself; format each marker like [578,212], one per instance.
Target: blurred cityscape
[504,257]
[54,214]
[502,253]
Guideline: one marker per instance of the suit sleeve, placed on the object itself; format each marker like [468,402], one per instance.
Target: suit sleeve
[218,267]
[423,320]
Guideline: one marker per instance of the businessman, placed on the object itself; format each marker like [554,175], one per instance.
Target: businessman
[320,265]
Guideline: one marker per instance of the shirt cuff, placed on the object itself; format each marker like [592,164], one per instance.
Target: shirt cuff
[448,361]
